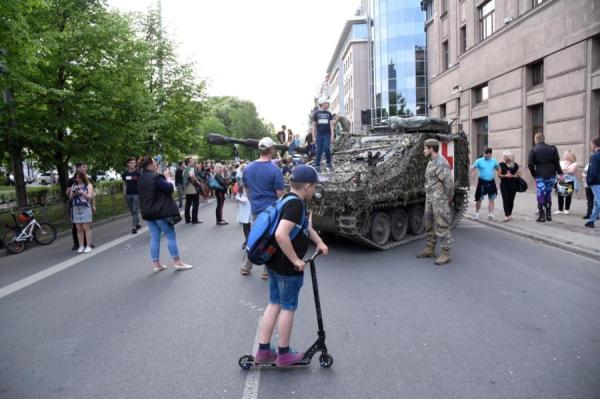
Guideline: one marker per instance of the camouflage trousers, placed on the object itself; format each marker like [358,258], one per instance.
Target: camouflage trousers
[438,217]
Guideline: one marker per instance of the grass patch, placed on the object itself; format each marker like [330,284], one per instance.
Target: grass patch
[107,207]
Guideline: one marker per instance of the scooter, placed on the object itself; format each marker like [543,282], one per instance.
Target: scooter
[325,359]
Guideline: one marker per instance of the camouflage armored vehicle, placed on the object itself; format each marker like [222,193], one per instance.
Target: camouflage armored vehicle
[375,196]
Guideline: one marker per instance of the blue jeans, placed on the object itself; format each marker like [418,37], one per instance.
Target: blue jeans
[323,146]
[157,228]
[596,211]
[284,290]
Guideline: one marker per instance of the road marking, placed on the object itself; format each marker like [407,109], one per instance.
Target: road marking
[253,376]
[34,278]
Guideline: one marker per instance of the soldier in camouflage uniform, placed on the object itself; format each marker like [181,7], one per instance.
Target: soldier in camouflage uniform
[439,189]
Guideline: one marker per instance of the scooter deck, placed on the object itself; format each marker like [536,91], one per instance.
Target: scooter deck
[302,363]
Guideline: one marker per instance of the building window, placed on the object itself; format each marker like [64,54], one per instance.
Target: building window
[463,39]
[428,8]
[442,111]
[537,119]
[486,20]
[445,57]
[481,127]
[443,6]
[481,94]
[536,73]
[535,3]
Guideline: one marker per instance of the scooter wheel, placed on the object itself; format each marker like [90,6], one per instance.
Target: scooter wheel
[246,361]
[326,360]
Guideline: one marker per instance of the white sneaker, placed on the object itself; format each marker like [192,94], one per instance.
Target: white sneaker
[491,216]
[80,250]
[183,266]
[87,250]
[158,269]
[557,212]
[476,216]
[566,212]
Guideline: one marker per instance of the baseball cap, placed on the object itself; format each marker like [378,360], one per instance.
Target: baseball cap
[266,143]
[304,174]
[323,100]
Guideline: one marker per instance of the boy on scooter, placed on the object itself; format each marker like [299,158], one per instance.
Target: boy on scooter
[286,270]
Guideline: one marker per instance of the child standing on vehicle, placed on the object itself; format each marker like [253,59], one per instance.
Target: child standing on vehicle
[286,269]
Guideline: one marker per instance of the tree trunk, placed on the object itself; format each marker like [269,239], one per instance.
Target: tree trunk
[15,150]
[62,167]
[17,164]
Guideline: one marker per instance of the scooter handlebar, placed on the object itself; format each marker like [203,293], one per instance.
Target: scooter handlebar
[314,256]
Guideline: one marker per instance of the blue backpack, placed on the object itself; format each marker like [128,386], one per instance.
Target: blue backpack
[260,246]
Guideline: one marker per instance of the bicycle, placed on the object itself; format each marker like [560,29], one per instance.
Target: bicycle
[27,229]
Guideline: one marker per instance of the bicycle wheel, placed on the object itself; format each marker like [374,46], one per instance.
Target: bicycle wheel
[45,234]
[11,244]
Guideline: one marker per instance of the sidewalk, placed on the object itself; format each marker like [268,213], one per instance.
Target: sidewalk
[565,231]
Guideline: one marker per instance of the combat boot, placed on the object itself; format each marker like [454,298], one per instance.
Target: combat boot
[549,212]
[542,217]
[427,252]
[443,258]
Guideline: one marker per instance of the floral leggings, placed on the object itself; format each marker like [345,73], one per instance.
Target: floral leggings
[544,190]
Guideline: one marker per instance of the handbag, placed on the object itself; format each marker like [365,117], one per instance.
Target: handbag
[173,220]
[214,184]
[521,185]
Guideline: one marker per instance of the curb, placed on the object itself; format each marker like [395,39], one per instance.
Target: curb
[595,255]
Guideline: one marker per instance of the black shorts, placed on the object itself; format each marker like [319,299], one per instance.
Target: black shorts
[486,187]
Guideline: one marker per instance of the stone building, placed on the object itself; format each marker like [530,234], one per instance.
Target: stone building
[507,69]
[348,72]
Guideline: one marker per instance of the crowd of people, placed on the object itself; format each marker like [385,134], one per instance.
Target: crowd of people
[260,184]
[552,174]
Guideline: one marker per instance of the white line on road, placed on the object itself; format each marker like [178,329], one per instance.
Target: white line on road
[253,376]
[34,278]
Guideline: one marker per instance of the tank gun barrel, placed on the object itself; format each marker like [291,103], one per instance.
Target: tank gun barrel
[219,139]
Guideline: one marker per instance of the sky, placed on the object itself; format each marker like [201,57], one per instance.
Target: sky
[274,53]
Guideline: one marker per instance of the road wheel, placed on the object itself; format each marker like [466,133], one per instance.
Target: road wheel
[13,246]
[380,228]
[45,234]
[399,224]
[416,220]
[43,182]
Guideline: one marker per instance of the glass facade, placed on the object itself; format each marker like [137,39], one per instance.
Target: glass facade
[399,84]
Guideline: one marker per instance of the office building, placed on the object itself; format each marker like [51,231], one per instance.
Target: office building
[507,69]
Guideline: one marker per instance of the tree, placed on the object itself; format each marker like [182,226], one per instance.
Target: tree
[240,119]
[178,96]
[18,52]
[86,98]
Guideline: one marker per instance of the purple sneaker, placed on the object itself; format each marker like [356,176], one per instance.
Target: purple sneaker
[289,358]
[265,356]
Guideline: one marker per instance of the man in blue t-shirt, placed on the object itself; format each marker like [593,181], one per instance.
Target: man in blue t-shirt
[323,130]
[486,185]
[264,184]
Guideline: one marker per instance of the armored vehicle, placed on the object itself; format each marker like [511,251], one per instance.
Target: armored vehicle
[375,196]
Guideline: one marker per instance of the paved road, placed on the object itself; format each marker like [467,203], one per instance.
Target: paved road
[508,318]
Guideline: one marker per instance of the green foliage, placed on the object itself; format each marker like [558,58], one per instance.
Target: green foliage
[238,118]
[98,86]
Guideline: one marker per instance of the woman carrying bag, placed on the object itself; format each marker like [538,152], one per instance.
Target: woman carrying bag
[567,184]
[510,177]
[160,210]
[220,189]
